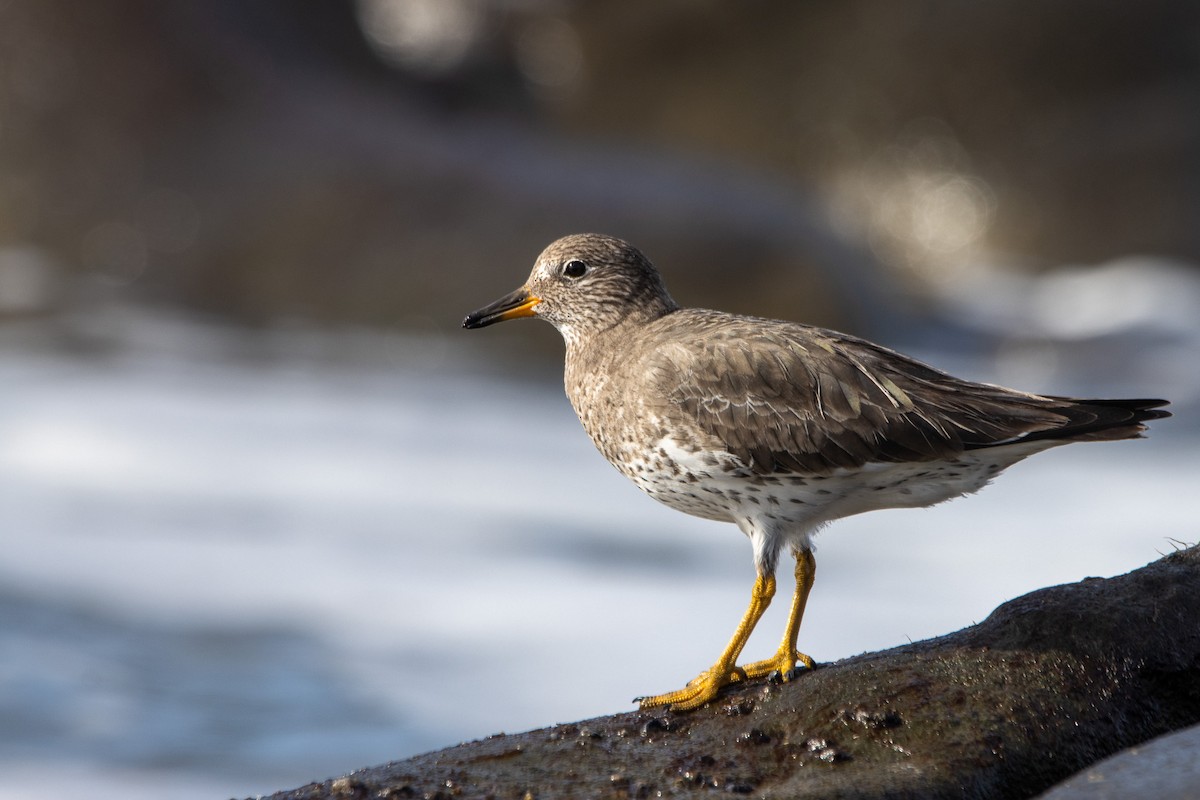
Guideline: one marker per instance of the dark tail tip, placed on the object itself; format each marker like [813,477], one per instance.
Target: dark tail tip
[1141,410]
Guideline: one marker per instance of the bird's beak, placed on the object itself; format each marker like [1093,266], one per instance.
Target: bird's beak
[513,305]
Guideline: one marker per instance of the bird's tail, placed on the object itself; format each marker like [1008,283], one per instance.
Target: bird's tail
[1103,420]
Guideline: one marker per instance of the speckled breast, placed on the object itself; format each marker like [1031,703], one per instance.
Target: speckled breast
[667,467]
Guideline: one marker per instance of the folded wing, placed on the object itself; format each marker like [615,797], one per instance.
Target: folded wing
[807,400]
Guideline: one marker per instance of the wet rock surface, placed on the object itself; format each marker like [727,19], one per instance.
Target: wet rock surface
[1050,683]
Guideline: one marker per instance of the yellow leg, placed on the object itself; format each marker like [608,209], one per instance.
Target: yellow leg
[784,660]
[707,684]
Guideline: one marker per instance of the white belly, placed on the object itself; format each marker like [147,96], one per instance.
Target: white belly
[716,486]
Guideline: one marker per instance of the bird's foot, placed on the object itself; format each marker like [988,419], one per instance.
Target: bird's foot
[786,664]
[702,689]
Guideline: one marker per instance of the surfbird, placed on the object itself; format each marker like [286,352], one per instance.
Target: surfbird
[774,426]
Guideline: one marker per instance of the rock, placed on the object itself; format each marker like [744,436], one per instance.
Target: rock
[1167,768]
[1047,685]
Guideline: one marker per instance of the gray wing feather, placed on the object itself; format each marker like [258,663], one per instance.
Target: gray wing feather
[807,400]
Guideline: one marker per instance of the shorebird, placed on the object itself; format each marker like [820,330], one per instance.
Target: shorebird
[775,426]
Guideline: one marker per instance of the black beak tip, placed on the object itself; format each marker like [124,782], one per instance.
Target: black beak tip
[475,320]
[512,305]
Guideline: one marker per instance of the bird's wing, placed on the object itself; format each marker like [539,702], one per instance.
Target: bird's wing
[802,399]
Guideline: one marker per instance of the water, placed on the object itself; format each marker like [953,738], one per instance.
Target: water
[231,568]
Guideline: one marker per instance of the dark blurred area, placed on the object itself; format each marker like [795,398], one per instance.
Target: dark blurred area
[395,162]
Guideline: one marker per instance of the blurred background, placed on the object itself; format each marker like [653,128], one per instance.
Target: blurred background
[269,515]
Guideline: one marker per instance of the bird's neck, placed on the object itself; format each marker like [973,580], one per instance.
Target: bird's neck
[584,341]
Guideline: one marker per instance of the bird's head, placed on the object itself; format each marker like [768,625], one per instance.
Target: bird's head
[583,284]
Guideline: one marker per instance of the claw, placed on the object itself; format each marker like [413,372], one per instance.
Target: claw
[783,666]
[701,690]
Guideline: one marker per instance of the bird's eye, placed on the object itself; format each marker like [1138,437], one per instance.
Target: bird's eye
[574,268]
